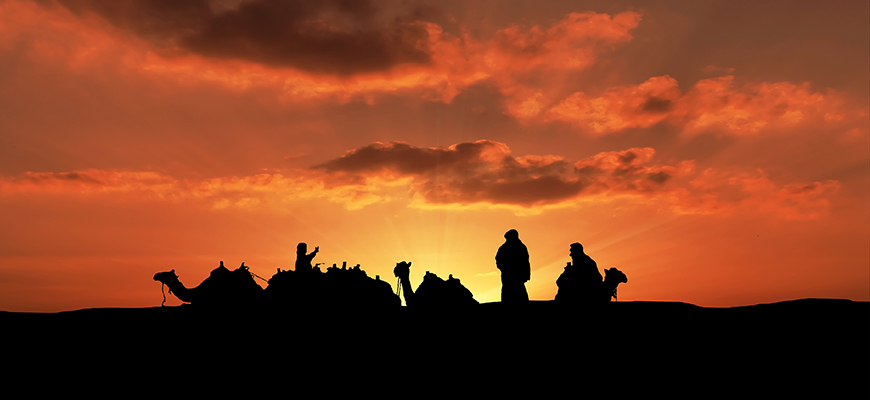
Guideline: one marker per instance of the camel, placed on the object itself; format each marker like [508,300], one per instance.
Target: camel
[434,291]
[572,291]
[612,278]
[337,287]
[222,287]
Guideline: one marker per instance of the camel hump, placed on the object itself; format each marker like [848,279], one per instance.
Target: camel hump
[431,275]
[219,271]
[437,292]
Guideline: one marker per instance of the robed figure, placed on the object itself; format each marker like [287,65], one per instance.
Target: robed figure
[512,259]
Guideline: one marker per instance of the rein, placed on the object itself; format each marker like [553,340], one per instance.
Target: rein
[164,294]
[399,290]
[258,276]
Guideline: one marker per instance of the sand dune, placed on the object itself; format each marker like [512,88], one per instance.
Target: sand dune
[789,347]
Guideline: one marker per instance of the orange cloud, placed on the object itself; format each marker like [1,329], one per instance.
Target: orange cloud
[718,192]
[716,103]
[349,56]
[270,191]
[626,171]
[621,107]
[712,104]
[455,63]
[340,38]
[54,35]
[91,181]
[519,53]
[481,174]
[570,44]
[486,174]
[436,66]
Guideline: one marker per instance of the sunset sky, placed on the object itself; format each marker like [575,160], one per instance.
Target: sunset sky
[717,152]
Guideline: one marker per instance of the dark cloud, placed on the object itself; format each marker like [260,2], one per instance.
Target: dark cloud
[407,159]
[485,171]
[627,157]
[49,177]
[659,177]
[464,173]
[656,104]
[527,191]
[327,36]
[157,20]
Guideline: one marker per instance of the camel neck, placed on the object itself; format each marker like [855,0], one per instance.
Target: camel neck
[407,291]
[180,291]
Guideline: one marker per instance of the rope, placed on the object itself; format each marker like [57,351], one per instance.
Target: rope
[258,276]
[248,268]
[399,290]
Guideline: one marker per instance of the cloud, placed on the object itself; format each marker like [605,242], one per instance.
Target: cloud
[622,107]
[710,105]
[308,50]
[520,54]
[350,37]
[270,191]
[486,172]
[724,192]
[626,171]
[225,43]
[718,104]
[337,37]
[473,175]
[570,44]
[92,181]
[407,160]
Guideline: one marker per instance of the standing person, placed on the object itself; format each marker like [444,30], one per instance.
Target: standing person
[512,259]
[303,261]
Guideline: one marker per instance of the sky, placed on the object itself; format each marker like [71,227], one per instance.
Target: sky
[716,152]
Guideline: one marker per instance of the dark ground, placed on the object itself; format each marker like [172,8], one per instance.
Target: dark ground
[800,347]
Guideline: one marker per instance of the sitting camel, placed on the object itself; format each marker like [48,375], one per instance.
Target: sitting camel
[222,287]
[337,287]
[434,291]
[574,290]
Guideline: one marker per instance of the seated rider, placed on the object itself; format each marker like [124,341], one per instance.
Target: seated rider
[303,261]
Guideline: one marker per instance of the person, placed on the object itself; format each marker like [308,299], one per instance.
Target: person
[512,259]
[586,266]
[303,261]
[580,282]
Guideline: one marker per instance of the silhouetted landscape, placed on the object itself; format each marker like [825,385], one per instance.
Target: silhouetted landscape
[309,328]
[789,347]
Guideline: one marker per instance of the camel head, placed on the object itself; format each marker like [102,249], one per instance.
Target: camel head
[402,270]
[166,277]
[614,276]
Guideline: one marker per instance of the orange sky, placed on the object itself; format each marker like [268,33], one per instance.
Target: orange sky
[718,153]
